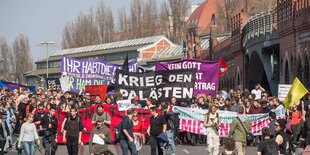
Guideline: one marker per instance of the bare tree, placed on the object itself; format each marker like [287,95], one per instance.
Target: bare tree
[6,63]
[135,18]
[105,21]
[165,19]
[82,32]
[149,20]
[22,57]
[123,24]
[179,9]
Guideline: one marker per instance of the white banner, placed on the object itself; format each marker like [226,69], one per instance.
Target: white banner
[191,120]
[123,105]
[283,91]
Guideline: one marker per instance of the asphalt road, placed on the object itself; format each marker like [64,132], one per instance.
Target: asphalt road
[180,150]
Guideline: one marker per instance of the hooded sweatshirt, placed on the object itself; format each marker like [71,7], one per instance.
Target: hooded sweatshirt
[237,130]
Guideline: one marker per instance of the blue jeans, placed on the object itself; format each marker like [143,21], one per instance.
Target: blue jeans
[28,147]
[170,136]
[127,145]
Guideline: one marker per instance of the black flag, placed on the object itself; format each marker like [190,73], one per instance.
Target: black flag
[125,65]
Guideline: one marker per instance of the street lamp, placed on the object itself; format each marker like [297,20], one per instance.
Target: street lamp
[47,44]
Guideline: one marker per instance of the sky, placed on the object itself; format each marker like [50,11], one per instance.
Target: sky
[44,20]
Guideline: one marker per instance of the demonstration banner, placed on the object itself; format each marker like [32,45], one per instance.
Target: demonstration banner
[158,85]
[97,90]
[86,114]
[76,74]
[206,74]
[53,83]
[191,120]
[283,90]
[12,86]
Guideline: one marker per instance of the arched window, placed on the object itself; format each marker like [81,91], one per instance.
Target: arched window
[286,73]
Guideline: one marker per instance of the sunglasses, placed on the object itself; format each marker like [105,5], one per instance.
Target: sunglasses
[135,115]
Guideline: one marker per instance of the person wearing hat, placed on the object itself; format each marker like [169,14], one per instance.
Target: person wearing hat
[283,139]
[100,137]
[136,103]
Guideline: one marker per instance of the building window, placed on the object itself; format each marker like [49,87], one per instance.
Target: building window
[306,74]
[286,73]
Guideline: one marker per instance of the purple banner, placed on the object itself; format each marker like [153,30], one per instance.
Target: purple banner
[206,75]
[77,73]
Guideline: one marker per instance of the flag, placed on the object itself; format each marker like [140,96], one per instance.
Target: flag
[97,90]
[126,65]
[296,92]
[223,67]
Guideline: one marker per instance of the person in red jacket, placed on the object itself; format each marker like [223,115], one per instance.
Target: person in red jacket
[296,117]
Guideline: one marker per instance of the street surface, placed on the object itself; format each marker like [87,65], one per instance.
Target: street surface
[180,150]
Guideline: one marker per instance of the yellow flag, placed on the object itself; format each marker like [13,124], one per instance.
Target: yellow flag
[296,92]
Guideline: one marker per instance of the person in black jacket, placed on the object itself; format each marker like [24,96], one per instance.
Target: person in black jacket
[73,132]
[49,125]
[4,134]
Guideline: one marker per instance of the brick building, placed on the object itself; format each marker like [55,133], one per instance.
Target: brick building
[294,38]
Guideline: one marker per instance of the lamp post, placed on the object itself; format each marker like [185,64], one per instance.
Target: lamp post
[47,44]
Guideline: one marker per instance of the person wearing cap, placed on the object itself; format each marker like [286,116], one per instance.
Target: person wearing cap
[100,137]
[136,103]
[237,130]
[282,138]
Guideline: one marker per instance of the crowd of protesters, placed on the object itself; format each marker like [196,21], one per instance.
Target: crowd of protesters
[31,117]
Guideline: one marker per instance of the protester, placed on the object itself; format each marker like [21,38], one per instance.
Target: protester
[10,120]
[102,114]
[272,118]
[100,137]
[283,139]
[149,103]
[49,126]
[88,100]
[73,132]
[4,134]
[137,130]
[296,117]
[212,122]
[157,126]
[28,135]
[229,147]
[98,99]
[267,146]
[258,91]
[126,138]
[240,126]
[307,119]
[136,103]
[172,120]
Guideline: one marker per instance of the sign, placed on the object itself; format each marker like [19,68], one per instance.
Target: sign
[191,120]
[53,83]
[283,90]
[76,74]
[206,73]
[123,105]
[12,86]
[158,85]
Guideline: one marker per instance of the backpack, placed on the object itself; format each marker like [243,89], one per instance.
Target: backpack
[271,147]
